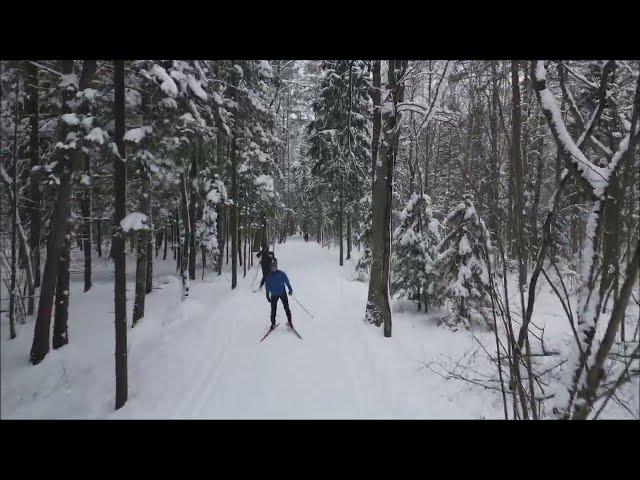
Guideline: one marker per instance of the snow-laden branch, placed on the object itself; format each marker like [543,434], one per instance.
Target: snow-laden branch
[442,84]
[597,177]
[580,77]
[44,67]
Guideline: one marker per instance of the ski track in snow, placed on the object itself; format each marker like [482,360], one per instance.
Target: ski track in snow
[202,357]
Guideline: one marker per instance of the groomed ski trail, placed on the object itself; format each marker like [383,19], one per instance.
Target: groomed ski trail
[223,371]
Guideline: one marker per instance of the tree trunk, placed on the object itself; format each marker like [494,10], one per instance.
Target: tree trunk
[518,180]
[143,240]
[378,309]
[165,235]
[234,217]
[149,276]
[493,184]
[61,318]
[377,120]
[99,236]
[340,228]
[348,238]
[246,234]
[14,221]
[240,235]
[587,394]
[86,233]
[226,232]
[184,254]
[59,219]
[118,248]
[32,109]
[220,233]
[192,216]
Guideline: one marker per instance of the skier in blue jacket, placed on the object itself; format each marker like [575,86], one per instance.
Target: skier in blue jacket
[275,288]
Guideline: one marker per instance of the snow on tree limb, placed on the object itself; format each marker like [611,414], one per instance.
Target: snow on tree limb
[442,84]
[597,177]
[135,221]
[580,77]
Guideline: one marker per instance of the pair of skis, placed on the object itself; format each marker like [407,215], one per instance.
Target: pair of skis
[290,328]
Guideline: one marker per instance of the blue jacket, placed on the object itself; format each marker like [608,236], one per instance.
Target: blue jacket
[275,283]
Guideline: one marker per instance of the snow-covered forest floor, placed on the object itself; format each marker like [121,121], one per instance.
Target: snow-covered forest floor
[201,358]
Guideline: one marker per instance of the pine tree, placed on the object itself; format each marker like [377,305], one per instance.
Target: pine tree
[414,243]
[339,137]
[460,270]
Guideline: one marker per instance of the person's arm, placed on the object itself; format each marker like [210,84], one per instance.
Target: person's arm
[266,288]
[286,281]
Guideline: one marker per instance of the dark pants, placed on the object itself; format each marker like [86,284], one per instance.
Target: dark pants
[266,270]
[274,306]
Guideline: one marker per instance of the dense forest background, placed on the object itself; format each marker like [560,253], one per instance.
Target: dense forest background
[449,178]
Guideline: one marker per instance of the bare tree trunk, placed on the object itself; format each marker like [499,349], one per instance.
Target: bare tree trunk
[149,276]
[493,184]
[234,217]
[378,309]
[184,254]
[246,233]
[340,227]
[349,238]
[220,233]
[226,231]
[86,233]
[99,236]
[118,249]
[32,109]
[587,395]
[14,220]
[377,119]
[61,318]
[518,180]
[141,261]
[192,216]
[240,235]
[165,235]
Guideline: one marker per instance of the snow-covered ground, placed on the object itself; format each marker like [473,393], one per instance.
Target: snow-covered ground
[201,358]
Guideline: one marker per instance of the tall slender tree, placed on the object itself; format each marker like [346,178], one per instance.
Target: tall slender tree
[118,250]
[378,310]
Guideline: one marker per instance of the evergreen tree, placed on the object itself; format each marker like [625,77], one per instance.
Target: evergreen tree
[339,137]
[461,273]
[414,243]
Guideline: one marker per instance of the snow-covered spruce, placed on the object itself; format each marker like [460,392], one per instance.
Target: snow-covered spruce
[414,243]
[460,270]
[364,262]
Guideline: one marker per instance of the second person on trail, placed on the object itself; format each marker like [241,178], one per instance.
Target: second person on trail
[266,257]
[275,288]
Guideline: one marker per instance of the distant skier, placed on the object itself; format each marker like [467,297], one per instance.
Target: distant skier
[276,282]
[266,257]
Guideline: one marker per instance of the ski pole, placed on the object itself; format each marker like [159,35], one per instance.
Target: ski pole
[302,307]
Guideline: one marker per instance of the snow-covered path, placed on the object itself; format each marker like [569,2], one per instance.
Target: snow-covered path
[211,364]
[201,358]
[222,371]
